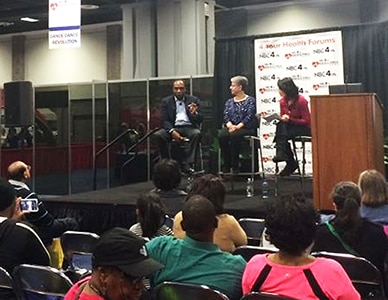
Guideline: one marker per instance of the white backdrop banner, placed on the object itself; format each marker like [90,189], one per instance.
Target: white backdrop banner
[313,61]
[64,24]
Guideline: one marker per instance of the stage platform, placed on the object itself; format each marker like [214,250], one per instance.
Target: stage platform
[100,210]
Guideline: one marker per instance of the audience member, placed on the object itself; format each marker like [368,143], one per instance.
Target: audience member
[348,232]
[20,243]
[13,140]
[151,217]
[291,272]
[25,137]
[167,178]
[294,120]
[228,235]
[120,263]
[181,120]
[239,120]
[195,259]
[46,224]
[374,196]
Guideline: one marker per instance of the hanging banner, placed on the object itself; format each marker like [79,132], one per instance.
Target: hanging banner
[313,61]
[64,24]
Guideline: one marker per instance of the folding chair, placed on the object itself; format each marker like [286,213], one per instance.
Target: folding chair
[253,228]
[40,282]
[264,296]
[247,251]
[6,285]
[185,291]
[365,277]
[77,248]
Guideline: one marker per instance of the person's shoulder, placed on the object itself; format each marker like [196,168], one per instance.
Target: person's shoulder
[192,98]
[168,98]
[302,99]
[369,225]
[26,228]
[160,240]
[237,261]
[327,264]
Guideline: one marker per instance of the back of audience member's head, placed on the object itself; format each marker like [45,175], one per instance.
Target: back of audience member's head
[347,198]
[373,188]
[150,213]
[16,170]
[199,218]
[212,188]
[167,175]
[291,224]
[7,197]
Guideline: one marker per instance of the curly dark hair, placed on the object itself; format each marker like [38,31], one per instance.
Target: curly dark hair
[288,86]
[211,187]
[167,175]
[291,224]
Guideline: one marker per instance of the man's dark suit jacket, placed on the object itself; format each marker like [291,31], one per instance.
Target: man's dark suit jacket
[168,112]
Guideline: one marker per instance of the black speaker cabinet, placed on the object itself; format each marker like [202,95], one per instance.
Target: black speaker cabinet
[18,97]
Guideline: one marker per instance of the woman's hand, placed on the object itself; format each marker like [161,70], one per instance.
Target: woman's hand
[285,118]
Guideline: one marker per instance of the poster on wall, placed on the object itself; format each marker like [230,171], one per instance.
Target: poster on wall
[64,24]
[313,61]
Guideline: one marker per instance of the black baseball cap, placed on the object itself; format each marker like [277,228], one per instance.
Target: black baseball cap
[124,250]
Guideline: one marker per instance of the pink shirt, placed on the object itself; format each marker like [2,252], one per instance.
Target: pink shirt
[72,293]
[290,281]
[298,111]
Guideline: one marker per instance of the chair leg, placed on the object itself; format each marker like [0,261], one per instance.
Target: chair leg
[297,161]
[276,179]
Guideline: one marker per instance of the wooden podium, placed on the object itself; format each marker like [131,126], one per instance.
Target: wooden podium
[347,138]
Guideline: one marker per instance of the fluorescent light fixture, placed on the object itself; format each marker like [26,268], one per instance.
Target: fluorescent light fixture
[89,6]
[28,19]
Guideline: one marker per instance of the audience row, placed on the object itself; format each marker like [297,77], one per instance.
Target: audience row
[199,248]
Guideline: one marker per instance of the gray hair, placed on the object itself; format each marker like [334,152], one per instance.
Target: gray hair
[240,80]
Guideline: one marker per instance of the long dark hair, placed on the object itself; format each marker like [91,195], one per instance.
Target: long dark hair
[347,198]
[288,86]
[151,214]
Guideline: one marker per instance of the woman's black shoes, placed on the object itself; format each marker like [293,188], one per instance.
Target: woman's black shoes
[289,169]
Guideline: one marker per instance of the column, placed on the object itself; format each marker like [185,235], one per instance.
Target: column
[139,40]
[185,32]
[18,57]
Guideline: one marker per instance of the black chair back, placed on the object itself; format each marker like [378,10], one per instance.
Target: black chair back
[254,229]
[78,247]
[365,277]
[247,251]
[185,291]
[6,285]
[264,296]
[40,282]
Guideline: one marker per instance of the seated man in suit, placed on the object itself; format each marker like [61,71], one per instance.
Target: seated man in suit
[196,259]
[46,224]
[181,120]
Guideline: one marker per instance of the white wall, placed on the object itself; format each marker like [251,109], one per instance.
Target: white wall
[45,66]
[303,16]
[5,62]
